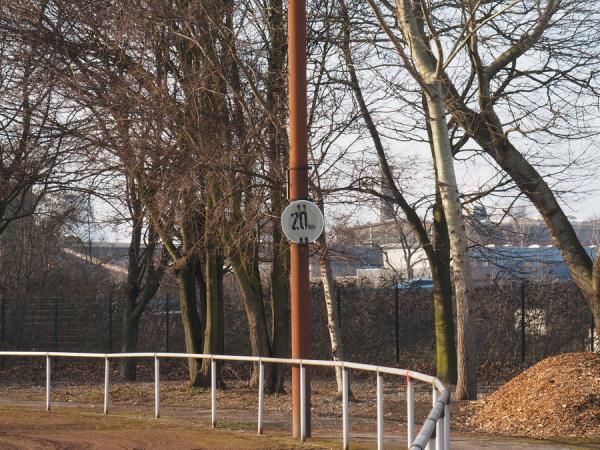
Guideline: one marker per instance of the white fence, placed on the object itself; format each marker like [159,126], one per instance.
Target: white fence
[434,433]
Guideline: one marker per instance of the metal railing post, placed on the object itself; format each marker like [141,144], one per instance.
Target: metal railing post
[48,369]
[380,436]
[106,376]
[345,440]
[302,402]
[439,425]
[156,387]
[432,444]
[261,395]
[213,392]
[410,410]
[447,427]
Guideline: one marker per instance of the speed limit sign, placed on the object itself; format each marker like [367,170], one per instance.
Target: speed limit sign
[302,222]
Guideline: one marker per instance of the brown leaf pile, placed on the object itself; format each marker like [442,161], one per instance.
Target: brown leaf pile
[558,397]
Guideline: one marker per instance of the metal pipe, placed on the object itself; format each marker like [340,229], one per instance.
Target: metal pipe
[431,444]
[48,369]
[345,434]
[298,189]
[380,435]
[410,410]
[213,393]
[447,427]
[156,387]
[106,377]
[261,395]
[302,403]
[439,427]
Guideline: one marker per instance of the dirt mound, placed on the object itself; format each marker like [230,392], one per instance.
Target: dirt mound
[559,396]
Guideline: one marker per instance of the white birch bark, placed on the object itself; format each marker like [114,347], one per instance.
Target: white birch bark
[331,304]
[428,69]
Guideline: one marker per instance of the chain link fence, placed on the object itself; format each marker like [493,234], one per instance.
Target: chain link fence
[519,322]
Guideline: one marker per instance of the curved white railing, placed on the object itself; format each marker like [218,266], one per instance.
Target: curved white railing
[434,433]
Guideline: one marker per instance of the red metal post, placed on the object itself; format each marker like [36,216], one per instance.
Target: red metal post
[298,179]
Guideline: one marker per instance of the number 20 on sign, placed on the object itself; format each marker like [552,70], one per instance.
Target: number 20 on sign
[302,222]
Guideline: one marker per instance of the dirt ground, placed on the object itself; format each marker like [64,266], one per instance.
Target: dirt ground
[76,420]
[79,429]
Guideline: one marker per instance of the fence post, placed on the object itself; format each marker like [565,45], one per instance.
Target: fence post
[48,383]
[110,324]
[432,444]
[302,402]
[213,392]
[397,323]
[156,387]
[439,425]
[380,435]
[106,377]
[447,427]
[261,394]
[55,324]
[345,441]
[167,322]
[410,409]
[523,322]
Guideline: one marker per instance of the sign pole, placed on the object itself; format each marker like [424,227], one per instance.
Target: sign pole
[298,189]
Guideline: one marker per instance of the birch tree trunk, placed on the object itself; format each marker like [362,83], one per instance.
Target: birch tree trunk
[466,358]
[331,304]
[428,72]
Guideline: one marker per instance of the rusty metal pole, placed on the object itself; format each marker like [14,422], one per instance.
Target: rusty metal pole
[298,190]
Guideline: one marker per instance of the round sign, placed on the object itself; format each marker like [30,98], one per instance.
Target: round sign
[302,222]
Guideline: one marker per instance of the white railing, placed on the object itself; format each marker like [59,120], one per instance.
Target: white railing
[434,433]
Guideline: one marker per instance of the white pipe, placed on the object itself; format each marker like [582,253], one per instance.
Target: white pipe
[106,377]
[439,426]
[48,369]
[345,434]
[213,392]
[410,410]
[432,440]
[447,427]
[380,436]
[156,387]
[261,395]
[302,403]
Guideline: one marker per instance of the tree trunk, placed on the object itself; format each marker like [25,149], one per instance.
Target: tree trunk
[131,327]
[189,318]
[214,342]
[249,284]
[429,76]
[496,144]
[445,343]
[332,307]
[445,346]
[466,387]
[277,152]
[280,308]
